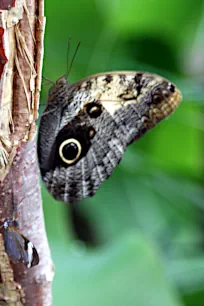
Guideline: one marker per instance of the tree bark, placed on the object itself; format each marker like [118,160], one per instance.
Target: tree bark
[21,51]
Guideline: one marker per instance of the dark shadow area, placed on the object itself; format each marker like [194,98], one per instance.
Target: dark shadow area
[82,227]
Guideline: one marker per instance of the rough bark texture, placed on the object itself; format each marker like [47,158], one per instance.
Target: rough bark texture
[21,52]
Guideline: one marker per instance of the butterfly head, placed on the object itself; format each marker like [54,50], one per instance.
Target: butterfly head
[8,223]
[58,89]
[62,81]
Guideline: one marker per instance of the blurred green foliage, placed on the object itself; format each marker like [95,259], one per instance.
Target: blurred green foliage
[145,226]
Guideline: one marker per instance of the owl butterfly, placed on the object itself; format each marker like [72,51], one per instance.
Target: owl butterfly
[88,125]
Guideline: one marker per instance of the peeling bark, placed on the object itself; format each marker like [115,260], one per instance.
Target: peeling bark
[22,25]
[11,292]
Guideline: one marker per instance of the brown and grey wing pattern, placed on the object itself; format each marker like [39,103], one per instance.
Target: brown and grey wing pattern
[82,141]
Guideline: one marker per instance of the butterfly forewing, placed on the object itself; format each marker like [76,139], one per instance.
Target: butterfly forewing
[18,247]
[88,125]
[12,245]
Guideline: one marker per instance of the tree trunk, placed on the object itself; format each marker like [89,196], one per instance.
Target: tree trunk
[21,51]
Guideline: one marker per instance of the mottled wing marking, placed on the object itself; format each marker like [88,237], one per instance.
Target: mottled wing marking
[131,103]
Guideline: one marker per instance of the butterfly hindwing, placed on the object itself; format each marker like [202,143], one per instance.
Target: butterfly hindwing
[88,125]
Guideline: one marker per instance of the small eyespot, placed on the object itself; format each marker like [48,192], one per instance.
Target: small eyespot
[157,98]
[92,132]
[166,94]
[70,150]
[94,110]
[171,87]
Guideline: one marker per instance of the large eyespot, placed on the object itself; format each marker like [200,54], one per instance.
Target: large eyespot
[94,110]
[70,150]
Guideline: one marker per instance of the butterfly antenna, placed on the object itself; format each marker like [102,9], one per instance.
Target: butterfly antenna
[70,67]
[68,52]
[48,80]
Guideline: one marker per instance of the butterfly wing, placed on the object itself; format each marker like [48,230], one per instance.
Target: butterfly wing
[83,138]
[19,248]
[11,245]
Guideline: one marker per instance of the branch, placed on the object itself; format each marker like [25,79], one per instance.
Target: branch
[10,291]
[22,25]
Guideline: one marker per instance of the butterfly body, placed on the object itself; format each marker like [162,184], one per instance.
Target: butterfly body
[88,125]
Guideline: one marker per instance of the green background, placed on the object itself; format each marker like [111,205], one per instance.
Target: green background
[140,239]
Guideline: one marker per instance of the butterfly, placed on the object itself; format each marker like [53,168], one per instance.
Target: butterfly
[18,247]
[87,126]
